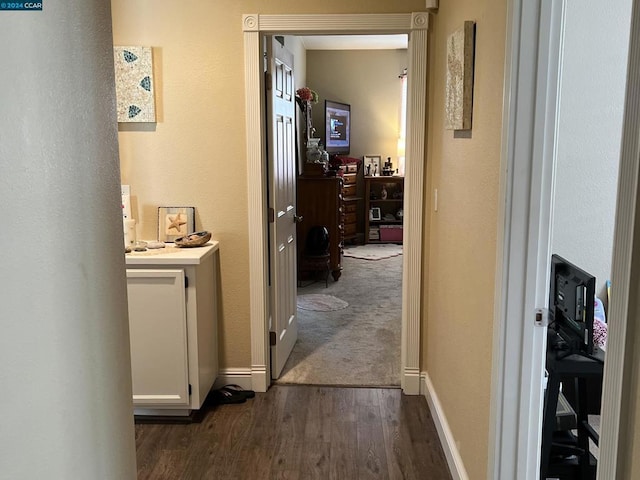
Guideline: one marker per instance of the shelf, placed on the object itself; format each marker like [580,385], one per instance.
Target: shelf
[388,201]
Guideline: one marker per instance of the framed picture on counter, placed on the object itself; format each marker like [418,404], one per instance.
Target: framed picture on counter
[175,222]
[372,165]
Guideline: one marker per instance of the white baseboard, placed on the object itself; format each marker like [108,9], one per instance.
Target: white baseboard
[237,376]
[411,381]
[454,460]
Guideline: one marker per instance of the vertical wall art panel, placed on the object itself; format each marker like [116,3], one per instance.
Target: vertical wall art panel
[134,84]
[459,90]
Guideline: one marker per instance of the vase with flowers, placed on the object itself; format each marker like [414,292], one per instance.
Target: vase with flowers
[305,97]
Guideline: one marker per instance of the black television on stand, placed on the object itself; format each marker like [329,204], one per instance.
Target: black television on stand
[337,127]
[571,299]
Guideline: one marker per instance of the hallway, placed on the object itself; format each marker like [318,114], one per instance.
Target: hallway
[300,432]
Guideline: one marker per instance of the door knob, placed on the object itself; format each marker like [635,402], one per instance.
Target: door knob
[297,218]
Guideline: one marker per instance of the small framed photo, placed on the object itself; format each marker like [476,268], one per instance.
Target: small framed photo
[372,165]
[175,222]
[374,214]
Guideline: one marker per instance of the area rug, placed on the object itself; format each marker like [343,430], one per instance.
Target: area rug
[373,251]
[317,302]
[358,345]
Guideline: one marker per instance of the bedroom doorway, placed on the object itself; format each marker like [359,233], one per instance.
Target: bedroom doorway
[350,329]
[415,25]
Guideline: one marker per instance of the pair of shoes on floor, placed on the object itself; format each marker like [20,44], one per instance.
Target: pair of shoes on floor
[231,394]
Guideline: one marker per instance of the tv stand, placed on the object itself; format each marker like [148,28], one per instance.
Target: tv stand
[580,369]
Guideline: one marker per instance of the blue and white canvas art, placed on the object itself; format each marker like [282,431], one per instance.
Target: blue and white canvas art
[134,84]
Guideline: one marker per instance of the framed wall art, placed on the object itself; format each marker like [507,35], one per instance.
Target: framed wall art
[372,165]
[175,222]
[459,87]
[134,84]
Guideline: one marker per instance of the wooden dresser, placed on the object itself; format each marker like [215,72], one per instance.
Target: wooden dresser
[350,201]
[320,202]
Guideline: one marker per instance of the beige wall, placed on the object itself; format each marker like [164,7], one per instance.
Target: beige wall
[457,338]
[368,81]
[195,154]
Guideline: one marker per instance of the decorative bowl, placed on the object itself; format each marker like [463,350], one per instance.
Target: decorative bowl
[196,239]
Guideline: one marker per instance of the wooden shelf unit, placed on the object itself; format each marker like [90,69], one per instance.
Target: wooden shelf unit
[389,228]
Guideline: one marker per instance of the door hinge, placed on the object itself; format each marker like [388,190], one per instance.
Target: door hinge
[189,389]
[272,338]
[186,282]
[267,80]
[542,317]
[272,215]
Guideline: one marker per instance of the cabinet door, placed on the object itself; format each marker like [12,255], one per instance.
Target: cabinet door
[158,337]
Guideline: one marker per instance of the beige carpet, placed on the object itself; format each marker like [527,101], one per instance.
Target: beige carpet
[320,303]
[360,344]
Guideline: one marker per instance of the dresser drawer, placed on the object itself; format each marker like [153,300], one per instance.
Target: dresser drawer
[349,190]
[349,218]
[350,207]
[350,178]
[349,229]
[349,168]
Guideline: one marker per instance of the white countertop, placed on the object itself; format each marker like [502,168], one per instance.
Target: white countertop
[172,255]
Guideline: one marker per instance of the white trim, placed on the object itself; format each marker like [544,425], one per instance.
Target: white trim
[515,418]
[416,25]
[234,376]
[451,452]
[432,5]
[619,360]
[523,251]
[257,211]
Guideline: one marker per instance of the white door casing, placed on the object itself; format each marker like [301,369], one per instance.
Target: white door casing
[255,26]
[531,83]
[282,198]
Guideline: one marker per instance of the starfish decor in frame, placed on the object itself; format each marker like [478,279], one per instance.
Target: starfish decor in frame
[175,222]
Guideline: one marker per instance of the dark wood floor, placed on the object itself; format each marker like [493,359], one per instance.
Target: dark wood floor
[300,432]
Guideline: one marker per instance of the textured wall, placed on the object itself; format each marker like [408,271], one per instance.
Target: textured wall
[458,335]
[368,81]
[65,369]
[591,102]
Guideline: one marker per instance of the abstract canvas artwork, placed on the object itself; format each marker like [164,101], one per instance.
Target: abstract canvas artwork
[459,89]
[134,84]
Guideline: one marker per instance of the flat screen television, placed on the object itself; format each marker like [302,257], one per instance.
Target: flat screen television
[337,130]
[571,299]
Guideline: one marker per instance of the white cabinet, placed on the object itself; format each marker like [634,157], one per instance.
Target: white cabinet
[173,328]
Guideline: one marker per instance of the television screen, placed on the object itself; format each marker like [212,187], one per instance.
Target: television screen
[571,298]
[337,119]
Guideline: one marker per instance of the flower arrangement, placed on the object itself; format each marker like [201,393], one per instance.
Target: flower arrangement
[307,95]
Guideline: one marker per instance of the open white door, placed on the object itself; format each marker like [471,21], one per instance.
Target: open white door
[282,196]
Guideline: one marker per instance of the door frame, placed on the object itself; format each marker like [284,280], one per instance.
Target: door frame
[526,224]
[255,26]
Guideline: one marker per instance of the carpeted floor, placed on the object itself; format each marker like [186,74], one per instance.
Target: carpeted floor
[358,345]
[373,251]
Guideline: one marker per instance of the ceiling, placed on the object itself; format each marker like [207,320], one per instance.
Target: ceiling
[355,42]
